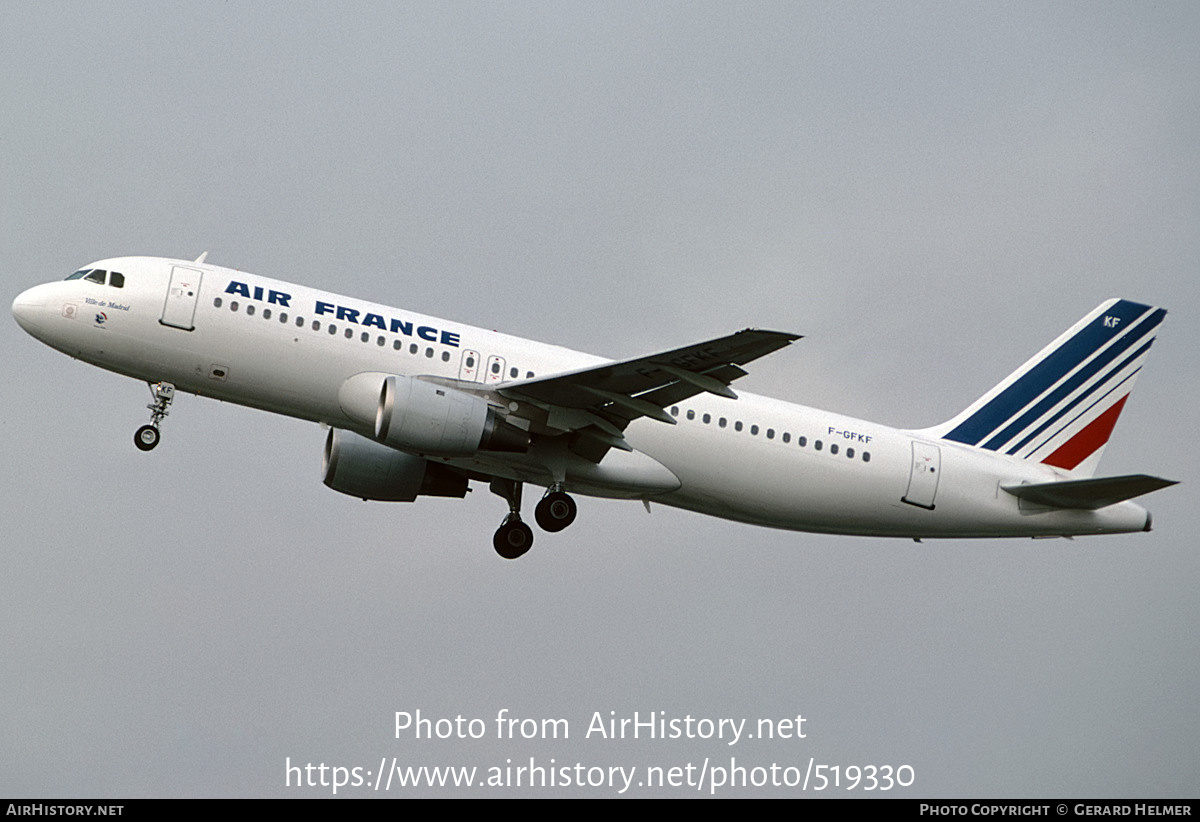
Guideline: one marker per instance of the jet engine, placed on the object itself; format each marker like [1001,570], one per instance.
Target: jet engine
[427,418]
[364,468]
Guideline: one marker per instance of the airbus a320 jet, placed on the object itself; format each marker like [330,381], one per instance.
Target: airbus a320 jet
[418,405]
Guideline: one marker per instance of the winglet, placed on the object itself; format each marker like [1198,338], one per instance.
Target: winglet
[200,259]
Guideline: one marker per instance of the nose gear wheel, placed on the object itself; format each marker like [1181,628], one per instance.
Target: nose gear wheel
[147,437]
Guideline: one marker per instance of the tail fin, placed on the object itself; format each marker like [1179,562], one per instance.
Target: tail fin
[1060,407]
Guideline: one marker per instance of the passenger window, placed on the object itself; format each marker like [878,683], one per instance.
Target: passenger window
[802,441]
[299,322]
[817,445]
[691,415]
[233,305]
[707,419]
[866,456]
[737,426]
[674,410]
[429,353]
[380,341]
[529,375]
[116,279]
[754,430]
[770,433]
[397,345]
[217,302]
[366,336]
[266,313]
[495,368]
[350,333]
[512,372]
[722,422]
[412,349]
[445,356]
[850,453]
[332,328]
[833,449]
[250,310]
[283,317]
[316,325]
[787,437]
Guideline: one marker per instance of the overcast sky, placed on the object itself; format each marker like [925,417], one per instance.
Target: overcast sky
[929,192]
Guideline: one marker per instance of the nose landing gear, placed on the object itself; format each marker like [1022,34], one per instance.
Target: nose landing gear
[147,437]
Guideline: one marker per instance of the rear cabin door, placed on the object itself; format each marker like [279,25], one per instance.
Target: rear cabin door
[179,309]
[923,478]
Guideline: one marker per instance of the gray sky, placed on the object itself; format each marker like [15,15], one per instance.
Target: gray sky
[929,192]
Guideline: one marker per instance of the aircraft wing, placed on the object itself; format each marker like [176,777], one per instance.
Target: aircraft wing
[602,400]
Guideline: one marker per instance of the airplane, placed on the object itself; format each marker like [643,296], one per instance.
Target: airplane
[421,406]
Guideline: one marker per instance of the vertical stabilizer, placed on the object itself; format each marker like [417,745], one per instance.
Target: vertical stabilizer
[1060,407]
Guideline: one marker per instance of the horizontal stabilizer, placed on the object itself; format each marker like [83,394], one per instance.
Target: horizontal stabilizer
[1089,494]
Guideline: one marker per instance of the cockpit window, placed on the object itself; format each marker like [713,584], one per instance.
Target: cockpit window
[97,275]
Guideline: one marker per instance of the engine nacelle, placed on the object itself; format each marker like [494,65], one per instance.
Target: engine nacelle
[427,418]
[432,419]
[367,469]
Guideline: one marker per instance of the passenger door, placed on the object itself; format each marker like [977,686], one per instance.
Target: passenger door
[179,309]
[924,475]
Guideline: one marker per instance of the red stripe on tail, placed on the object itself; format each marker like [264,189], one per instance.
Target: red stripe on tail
[1084,444]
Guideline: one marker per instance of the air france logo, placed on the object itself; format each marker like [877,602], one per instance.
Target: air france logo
[101,318]
[346,314]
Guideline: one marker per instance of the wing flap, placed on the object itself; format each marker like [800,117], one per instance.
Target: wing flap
[692,369]
[597,403]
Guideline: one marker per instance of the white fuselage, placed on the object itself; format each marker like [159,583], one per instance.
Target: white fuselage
[290,349]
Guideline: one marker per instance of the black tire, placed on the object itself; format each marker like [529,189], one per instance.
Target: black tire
[513,539]
[146,438]
[555,512]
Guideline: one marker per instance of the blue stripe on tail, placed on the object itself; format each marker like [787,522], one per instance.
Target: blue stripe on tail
[1049,370]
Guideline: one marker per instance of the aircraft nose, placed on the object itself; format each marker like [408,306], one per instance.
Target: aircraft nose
[28,307]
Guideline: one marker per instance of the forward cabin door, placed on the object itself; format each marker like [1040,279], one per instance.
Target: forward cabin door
[179,310]
[923,478]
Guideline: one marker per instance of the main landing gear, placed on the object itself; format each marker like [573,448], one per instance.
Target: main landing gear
[513,538]
[147,436]
[553,513]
